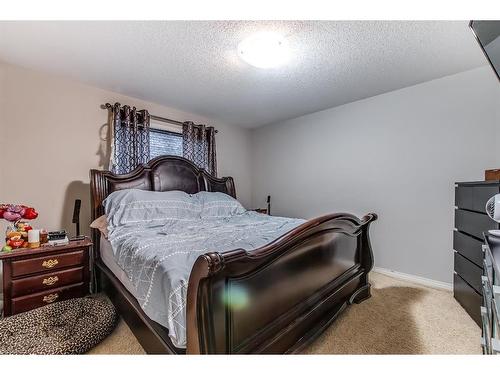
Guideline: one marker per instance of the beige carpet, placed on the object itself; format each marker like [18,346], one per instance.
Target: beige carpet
[400,318]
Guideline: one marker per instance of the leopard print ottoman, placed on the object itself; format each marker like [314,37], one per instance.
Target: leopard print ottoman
[67,327]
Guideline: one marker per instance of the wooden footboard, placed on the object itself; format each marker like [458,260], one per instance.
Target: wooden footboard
[279,297]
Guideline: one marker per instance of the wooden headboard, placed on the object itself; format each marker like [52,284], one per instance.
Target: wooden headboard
[163,173]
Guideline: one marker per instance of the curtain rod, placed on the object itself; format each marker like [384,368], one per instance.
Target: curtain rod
[158,118]
[175,122]
[163,119]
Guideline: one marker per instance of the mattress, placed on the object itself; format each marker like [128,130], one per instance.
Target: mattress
[108,258]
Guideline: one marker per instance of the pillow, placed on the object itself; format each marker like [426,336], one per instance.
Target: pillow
[216,204]
[143,207]
[101,223]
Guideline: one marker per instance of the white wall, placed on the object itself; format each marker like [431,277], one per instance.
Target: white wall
[397,154]
[50,137]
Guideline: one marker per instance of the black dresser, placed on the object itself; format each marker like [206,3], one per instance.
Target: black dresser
[470,223]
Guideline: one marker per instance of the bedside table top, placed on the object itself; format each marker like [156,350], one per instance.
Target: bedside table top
[44,249]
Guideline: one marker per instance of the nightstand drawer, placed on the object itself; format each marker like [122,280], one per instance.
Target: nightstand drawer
[47,263]
[32,301]
[32,284]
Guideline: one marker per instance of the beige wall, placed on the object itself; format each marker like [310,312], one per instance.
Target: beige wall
[2,136]
[51,134]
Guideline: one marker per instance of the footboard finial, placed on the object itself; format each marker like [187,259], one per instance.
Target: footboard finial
[215,262]
[370,217]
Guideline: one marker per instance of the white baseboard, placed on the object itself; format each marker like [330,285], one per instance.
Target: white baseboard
[414,279]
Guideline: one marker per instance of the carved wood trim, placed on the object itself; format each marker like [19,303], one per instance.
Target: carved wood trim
[215,269]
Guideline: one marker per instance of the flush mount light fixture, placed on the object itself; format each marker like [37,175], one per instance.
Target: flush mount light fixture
[264,50]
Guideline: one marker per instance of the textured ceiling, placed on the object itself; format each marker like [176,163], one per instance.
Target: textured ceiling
[193,65]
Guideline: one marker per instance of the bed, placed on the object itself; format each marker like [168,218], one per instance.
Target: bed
[294,286]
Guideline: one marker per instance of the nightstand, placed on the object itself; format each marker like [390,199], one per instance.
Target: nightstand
[35,277]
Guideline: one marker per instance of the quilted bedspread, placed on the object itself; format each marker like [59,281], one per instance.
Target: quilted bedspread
[158,259]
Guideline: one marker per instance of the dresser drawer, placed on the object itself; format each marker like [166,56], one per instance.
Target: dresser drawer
[469,247]
[469,272]
[32,301]
[473,223]
[468,298]
[474,197]
[47,263]
[32,284]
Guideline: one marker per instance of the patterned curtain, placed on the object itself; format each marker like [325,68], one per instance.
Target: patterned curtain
[198,145]
[130,138]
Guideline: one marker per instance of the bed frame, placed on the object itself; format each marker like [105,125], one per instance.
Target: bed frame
[275,299]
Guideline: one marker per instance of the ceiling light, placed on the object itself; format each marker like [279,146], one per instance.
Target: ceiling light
[264,50]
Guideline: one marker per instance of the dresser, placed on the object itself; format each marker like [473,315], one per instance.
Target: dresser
[35,277]
[471,221]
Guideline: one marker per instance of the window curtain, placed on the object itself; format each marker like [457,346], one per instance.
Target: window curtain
[198,145]
[129,138]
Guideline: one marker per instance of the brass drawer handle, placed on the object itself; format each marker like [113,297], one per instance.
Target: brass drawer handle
[50,298]
[50,263]
[50,280]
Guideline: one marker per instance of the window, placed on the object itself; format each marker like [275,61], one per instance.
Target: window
[164,142]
